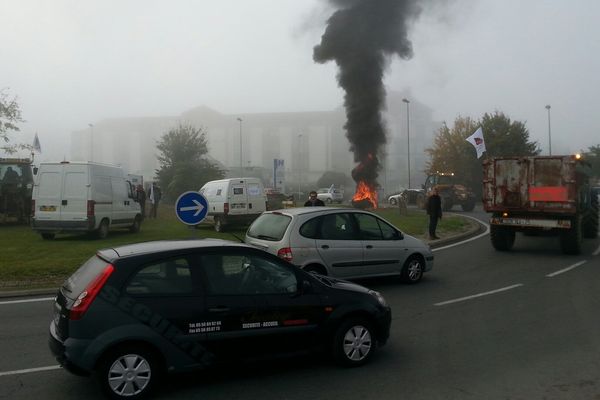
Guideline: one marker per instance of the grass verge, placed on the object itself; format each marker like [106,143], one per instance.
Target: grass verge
[27,261]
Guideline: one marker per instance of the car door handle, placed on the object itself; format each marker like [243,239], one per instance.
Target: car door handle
[369,246]
[325,247]
[219,309]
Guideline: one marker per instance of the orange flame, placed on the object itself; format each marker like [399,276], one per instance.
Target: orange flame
[365,192]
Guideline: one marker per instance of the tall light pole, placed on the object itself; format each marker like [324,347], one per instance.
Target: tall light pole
[299,161]
[241,165]
[408,138]
[549,131]
[91,141]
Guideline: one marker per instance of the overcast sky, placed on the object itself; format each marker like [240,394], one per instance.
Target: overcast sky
[71,63]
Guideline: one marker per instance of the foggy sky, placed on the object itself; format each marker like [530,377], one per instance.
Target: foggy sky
[72,63]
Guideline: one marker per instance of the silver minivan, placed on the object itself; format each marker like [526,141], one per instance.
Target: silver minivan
[340,242]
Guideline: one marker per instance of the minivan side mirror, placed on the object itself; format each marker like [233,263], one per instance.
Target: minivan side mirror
[399,236]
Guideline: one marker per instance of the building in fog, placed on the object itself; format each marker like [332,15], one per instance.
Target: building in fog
[310,143]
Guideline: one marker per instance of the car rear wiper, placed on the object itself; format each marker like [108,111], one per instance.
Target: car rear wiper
[266,237]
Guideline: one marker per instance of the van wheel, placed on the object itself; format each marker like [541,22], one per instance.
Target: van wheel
[135,228]
[354,342]
[48,236]
[219,225]
[128,372]
[102,231]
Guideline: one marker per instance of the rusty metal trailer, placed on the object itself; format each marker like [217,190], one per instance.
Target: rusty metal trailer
[539,194]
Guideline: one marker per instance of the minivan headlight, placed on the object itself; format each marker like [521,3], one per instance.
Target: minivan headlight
[379,297]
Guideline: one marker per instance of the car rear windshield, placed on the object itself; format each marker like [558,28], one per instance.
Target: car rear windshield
[77,282]
[269,227]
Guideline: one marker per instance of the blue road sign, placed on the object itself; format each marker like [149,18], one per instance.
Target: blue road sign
[191,208]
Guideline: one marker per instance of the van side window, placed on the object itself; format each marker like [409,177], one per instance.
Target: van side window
[163,277]
[219,192]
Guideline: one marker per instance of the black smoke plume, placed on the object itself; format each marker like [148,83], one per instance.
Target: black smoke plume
[360,37]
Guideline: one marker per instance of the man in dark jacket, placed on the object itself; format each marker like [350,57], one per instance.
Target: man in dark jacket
[313,201]
[434,210]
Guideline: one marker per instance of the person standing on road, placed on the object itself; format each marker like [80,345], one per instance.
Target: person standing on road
[313,201]
[434,210]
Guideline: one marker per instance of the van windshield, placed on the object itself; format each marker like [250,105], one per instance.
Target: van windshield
[269,227]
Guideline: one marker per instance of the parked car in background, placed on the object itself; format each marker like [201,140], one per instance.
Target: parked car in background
[134,312]
[330,195]
[409,196]
[340,242]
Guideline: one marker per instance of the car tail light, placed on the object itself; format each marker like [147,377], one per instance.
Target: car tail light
[226,208]
[85,299]
[91,208]
[32,207]
[285,253]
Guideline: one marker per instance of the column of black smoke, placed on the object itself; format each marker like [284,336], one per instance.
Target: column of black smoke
[360,36]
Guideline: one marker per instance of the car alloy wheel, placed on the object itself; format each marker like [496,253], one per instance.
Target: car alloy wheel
[354,343]
[413,270]
[129,375]
[128,372]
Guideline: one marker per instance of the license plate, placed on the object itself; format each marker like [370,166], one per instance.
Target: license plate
[47,208]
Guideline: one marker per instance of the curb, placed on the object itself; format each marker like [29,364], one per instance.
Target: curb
[476,228]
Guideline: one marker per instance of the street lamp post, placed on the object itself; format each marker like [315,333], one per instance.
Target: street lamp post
[408,137]
[91,141]
[241,165]
[299,161]
[549,131]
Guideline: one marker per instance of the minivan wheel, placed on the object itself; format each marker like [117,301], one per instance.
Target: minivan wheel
[354,342]
[48,236]
[412,272]
[128,373]
[102,231]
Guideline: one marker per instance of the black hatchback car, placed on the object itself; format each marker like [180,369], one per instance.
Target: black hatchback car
[132,313]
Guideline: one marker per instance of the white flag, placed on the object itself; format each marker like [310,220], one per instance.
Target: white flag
[36,144]
[476,140]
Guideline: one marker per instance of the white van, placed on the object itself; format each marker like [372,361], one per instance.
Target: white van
[234,201]
[82,197]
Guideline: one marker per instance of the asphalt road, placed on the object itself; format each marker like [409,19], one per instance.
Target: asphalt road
[481,325]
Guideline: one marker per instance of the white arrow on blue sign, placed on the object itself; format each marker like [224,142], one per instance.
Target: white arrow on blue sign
[191,208]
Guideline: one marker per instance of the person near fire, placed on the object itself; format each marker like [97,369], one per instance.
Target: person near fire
[141,198]
[313,201]
[434,210]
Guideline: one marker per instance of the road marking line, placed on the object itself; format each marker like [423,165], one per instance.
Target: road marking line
[597,251]
[487,231]
[443,303]
[27,300]
[27,371]
[566,269]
